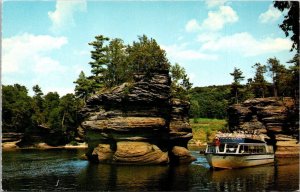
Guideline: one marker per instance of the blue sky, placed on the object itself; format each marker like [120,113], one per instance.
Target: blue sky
[46,42]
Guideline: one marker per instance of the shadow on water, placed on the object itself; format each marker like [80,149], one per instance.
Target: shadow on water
[62,170]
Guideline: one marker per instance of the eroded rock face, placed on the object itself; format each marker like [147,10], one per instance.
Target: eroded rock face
[137,123]
[276,118]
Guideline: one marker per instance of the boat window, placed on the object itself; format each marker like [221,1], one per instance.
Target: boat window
[242,149]
[211,149]
[252,149]
[222,148]
[231,148]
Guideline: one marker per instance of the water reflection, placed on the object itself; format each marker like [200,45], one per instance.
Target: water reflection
[41,170]
[116,177]
[247,179]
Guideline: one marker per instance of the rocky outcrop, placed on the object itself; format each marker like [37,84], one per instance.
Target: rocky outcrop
[277,118]
[137,123]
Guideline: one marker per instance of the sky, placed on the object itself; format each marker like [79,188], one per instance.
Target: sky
[46,42]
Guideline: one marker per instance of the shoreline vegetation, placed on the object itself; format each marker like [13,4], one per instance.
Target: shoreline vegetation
[8,146]
[204,130]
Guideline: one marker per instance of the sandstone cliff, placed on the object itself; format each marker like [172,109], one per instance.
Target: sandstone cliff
[137,123]
[277,118]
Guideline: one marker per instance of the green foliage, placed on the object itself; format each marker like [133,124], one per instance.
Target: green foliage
[236,85]
[145,56]
[54,120]
[118,70]
[74,143]
[100,61]
[259,85]
[51,101]
[293,79]
[213,101]
[16,109]
[290,24]
[204,129]
[180,85]
[195,120]
[25,114]
[278,74]
[194,109]
[69,106]
[38,104]
[84,86]
[209,102]
[114,63]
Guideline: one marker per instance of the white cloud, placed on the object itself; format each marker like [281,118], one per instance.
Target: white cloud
[180,53]
[271,15]
[214,3]
[28,52]
[63,16]
[47,65]
[192,26]
[215,20]
[205,37]
[247,45]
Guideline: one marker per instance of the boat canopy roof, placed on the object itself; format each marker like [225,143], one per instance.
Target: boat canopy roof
[239,140]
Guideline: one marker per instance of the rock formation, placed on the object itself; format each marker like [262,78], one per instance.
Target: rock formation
[277,118]
[137,123]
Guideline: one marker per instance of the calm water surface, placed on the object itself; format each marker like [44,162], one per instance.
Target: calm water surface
[62,170]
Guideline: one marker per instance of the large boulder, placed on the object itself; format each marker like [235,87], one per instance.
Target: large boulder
[136,123]
[277,118]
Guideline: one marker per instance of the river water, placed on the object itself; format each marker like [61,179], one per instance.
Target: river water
[63,170]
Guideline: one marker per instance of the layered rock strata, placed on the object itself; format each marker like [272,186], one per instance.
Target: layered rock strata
[137,123]
[277,118]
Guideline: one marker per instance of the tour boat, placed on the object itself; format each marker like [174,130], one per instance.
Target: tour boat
[237,151]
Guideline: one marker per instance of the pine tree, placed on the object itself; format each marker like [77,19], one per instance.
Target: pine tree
[100,62]
[84,86]
[38,117]
[278,74]
[180,85]
[259,83]
[117,68]
[146,56]
[236,86]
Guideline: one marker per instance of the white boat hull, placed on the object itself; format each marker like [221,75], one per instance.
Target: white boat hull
[237,160]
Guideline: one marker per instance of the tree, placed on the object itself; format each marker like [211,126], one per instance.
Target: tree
[37,91]
[180,85]
[100,61]
[291,20]
[117,68]
[16,109]
[38,117]
[209,102]
[68,108]
[194,109]
[84,86]
[236,86]
[294,76]
[52,110]
[278,74]
[259,84]
[146,56]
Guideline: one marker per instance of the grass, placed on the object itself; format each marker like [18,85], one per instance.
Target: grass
[204,129]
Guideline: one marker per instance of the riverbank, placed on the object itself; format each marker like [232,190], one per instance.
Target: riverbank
[7,146]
